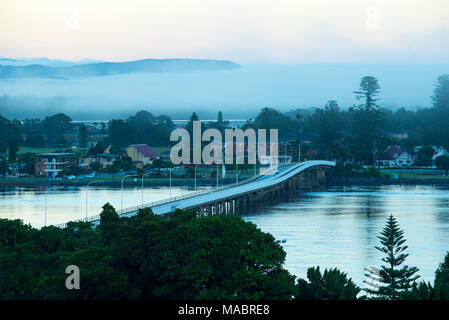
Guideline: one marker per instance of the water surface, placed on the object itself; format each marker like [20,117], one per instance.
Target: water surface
[339,227]
[335,228]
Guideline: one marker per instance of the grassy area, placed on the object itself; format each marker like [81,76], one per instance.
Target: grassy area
[36,150]
[48,150]
[413,175]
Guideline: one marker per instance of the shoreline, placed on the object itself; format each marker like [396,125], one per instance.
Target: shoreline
[374,181]
[331,181]
[117,183]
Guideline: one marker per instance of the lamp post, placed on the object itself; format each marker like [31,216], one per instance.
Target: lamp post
[171,169]
[87,189]
[121,189]
[298,117]
[255,168]
[146,173]
[195,174]
[45,206]
[237,169]
[217,175]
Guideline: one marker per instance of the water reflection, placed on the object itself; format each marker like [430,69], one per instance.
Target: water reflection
[69,203]
[339,227]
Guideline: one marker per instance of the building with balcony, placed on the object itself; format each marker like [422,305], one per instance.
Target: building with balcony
[51,164]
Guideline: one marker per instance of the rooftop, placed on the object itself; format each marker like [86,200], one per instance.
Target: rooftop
[144,150]
[56,154]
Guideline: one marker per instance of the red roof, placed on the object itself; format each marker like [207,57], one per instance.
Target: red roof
[392,153]
[145,150]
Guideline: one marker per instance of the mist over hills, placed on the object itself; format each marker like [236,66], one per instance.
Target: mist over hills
[240,92]
[112,68]
[44,62]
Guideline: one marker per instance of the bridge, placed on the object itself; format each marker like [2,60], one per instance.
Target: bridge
[239,197]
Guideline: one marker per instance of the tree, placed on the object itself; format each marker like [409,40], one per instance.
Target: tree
[13,148]
[269,118]
[224,257]
[369,90]
[123,133]
[8,130]
[3,167]
[331,285]
[144,257]
[367,120]
[329,123]
[442,162]
[440,289]
[393,280]
[440,116]
[82,136]
[220,124]
[424,157]
[441,283]
[28,160]
[419,291]
[154,130]
[440,96]
[55,127]
[97,149]
[35,141]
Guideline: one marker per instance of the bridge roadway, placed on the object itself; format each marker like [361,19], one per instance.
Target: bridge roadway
[223,193]
[261,182]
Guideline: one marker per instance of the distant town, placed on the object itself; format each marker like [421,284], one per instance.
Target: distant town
[364,140]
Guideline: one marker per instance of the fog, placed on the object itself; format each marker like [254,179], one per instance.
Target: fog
[238,93]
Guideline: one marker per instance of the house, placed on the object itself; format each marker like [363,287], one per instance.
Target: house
[141,153]
[104,159]
[51,164]
[396,157]
[439,152]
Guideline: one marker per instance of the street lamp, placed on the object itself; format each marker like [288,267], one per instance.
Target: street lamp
[87,189]
[171,169]
[142,184]
[121,189]
[255,167]
[195,174]
[46,194]
[217,173]
[298,117]
[237,168]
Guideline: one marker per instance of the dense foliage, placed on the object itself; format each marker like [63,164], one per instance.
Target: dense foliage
[182,257]
[331,285]
[144,257]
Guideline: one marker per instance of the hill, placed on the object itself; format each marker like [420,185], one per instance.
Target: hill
[114,68]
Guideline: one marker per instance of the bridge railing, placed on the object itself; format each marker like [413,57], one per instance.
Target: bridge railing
[167,200]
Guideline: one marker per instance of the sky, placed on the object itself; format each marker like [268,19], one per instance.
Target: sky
[244,31]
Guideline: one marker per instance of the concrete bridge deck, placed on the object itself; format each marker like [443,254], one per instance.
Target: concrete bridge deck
[230,197]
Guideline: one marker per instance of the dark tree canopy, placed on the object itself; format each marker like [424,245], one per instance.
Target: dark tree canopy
[144,257]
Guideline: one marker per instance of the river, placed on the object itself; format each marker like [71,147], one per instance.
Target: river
[335,228]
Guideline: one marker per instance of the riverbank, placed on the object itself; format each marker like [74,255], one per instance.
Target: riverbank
[117,182]
[378,181]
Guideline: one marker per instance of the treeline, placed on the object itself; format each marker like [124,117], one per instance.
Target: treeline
[363,132]
[358,133]
[184,257]
[49,132]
